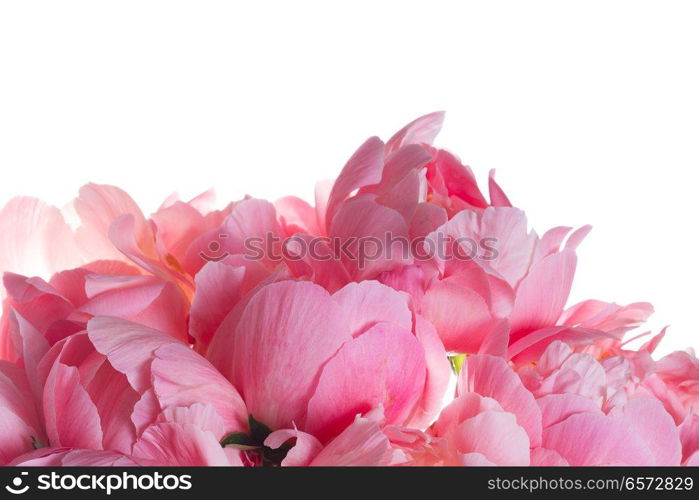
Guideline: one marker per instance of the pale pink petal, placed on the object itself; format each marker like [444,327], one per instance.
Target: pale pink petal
[587,439]
[98,207]
[36,239]
[419,131]
[496,435]
[557,407]
[305,449]
[360,444]
[171,444]
[577,237]
[605,316]
[491,376]
[648,420]
[462,408]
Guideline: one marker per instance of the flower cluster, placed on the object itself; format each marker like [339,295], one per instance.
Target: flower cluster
[161,340]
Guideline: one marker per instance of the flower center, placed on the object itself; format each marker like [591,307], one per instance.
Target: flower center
[253,447]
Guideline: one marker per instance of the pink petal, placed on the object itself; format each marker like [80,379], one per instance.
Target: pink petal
[142,299]
[461,409]
[378,237]
[543,293]
[689,436]
[31,347]
[360,444]
[585,439]
[364,168]
[286,334]
[438,374]
[36,239]
[541,457]
[181,377]
[369,302]
[219,287]
[491,376]
[496,435]
[98,207]
[296,215]
[114,400]
[383,367]
[497,195]
[71,417]
[128,346]
[427,218]
[556,408]
[647,419]
[171,444]
[202,416]
[461,316]
[306,447]
[419,131]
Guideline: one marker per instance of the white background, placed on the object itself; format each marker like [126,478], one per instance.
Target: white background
[588,110]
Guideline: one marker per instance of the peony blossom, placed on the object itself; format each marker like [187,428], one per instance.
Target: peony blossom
[290,333]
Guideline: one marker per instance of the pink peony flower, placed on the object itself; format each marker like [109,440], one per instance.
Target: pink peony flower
[177,340]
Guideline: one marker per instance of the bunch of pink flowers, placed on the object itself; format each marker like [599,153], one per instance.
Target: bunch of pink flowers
[162,340]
